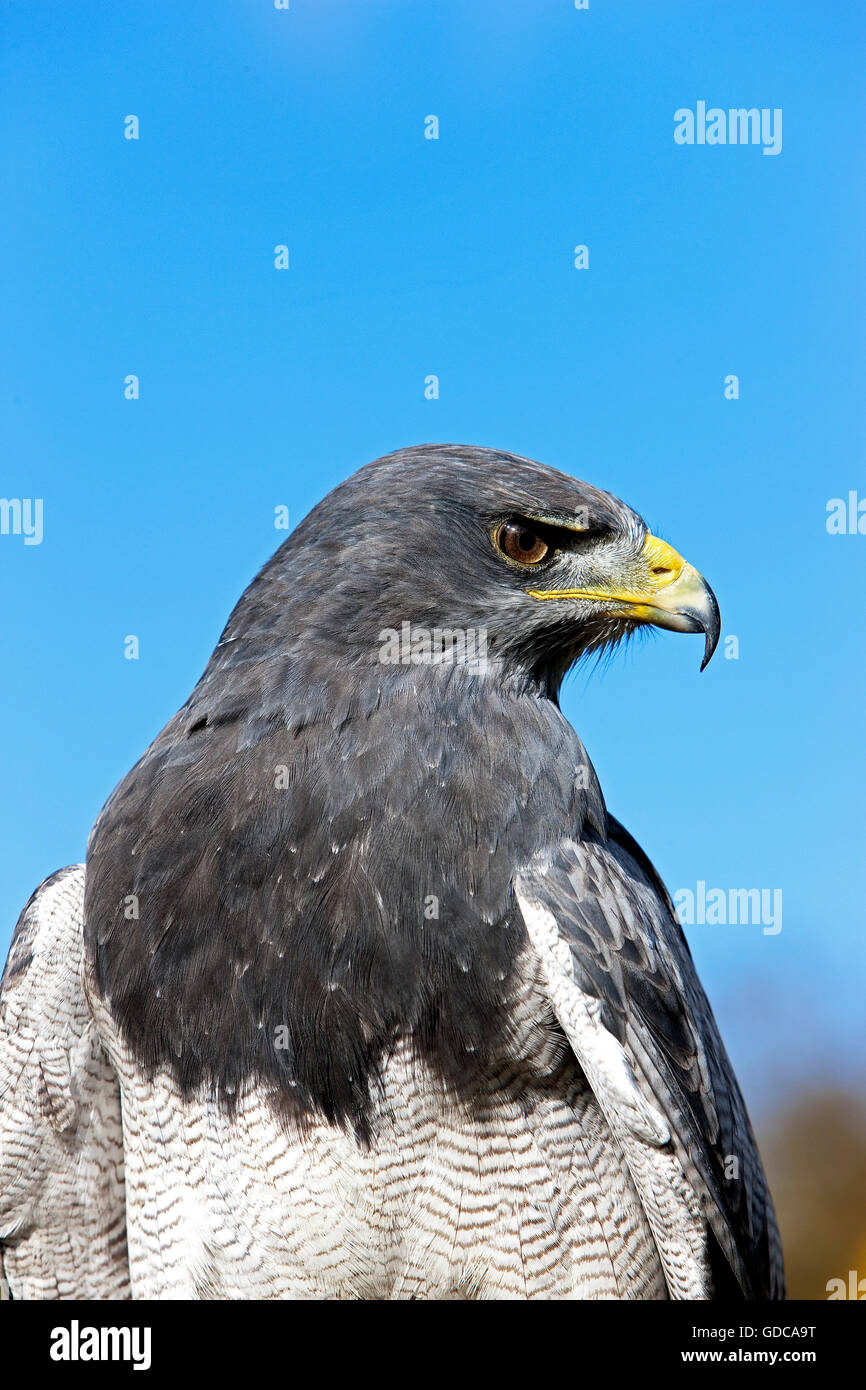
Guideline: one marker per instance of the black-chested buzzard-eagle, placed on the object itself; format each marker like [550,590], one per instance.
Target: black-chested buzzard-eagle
[362,992]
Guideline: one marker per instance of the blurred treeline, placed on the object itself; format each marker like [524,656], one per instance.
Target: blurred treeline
[814,1151]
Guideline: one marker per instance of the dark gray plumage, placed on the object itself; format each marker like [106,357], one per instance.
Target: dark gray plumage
[258,888]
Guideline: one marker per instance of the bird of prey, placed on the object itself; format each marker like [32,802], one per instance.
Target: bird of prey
[362,992]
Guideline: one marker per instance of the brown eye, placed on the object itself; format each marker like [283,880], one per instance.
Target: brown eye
[519,542]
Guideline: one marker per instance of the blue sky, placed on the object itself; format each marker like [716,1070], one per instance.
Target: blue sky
[454,257]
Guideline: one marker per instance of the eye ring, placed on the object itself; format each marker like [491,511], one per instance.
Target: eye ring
[520,542]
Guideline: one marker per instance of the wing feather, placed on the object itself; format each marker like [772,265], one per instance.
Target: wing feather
[62,1215]
[623,985]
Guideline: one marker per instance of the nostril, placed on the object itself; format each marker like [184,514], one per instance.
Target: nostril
[661,569]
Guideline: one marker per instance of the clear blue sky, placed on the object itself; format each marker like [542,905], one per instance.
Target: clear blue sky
[455,257]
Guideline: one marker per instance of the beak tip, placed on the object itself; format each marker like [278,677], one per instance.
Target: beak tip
[712,629]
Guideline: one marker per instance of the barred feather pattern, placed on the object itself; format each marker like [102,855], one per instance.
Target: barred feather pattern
[519,1190]
[62,1217]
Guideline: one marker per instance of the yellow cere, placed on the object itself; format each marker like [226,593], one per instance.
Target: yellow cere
[663,567]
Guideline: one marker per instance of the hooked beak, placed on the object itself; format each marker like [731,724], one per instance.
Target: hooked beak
[660,588]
